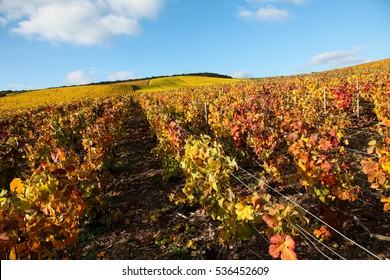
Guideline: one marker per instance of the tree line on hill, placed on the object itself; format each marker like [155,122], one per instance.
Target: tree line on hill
[4,93]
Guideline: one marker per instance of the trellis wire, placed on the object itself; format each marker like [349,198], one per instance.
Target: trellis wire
[300,230]
[307,235]
[294,226]
[314,216]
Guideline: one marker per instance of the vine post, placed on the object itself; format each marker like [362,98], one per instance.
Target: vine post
[357,100]
[325,100]
[206,117]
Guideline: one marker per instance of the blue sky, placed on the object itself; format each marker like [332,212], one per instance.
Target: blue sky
[46,43]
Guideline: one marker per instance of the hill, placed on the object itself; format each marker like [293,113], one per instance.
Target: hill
[11,101]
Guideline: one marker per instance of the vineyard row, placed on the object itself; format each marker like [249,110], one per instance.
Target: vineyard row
[205,131]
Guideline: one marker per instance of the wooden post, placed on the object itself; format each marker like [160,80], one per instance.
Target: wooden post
[324,100]
[357,100]
[206,117]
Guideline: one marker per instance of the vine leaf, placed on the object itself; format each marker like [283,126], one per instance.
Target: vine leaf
[325,166]
[329,180]
[58,154]
[16,186]
[386,166]
[323,233]
[371,147]
[283,245]
[270,220]
[325,144]
[386,206]
[244,212]
[373,172]
[12,254]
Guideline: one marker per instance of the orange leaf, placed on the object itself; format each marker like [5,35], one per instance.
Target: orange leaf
[386,206]
[323,233]
[256,200]
[284,246]
[16,186]
[270,220]
[370,168]
[292,137]
[325,144]
[325,166]
[373,172]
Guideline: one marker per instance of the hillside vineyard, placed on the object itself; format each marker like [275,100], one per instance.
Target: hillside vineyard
[265,158]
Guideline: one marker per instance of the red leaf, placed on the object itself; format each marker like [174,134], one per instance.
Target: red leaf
[329,180]
[297,125]
[325,144]
[284,246]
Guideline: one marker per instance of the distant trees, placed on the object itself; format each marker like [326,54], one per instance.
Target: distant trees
[4,93]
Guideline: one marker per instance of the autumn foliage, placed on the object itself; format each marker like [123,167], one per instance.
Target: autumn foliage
[61,156]
[297,128]
[55,160]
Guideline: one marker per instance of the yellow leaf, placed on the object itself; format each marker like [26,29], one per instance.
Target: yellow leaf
[16,186]
[301,165]
[244,212]
[191,244]
[386,166]
[372,143]
[12,254]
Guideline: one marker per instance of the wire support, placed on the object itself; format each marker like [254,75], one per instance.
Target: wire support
[262,235]
[314,216]
[312,243]
[249,188]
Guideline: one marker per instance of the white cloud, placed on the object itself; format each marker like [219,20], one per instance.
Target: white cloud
[241,74]
[267,13]
[337,58]
[267,10]
[87,22]
[121,75]
[77,77]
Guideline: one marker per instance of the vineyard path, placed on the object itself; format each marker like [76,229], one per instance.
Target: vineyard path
[140,205]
